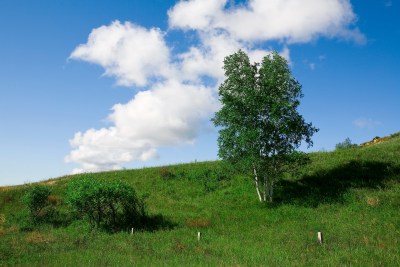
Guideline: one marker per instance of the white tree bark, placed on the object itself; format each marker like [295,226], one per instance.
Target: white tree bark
[257,184]
[266,189]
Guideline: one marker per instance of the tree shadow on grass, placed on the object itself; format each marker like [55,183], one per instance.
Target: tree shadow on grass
[146,223]
[156,222]
[329,186]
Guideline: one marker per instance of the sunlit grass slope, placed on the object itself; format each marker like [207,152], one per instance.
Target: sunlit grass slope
[351,195]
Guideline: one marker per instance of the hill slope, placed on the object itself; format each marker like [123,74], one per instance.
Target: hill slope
[351,195]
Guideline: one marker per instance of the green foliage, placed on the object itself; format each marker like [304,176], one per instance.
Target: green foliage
[37,199]
[260,125]
[108,204]
[345,144]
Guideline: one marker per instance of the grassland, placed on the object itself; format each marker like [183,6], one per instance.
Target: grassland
[351,195]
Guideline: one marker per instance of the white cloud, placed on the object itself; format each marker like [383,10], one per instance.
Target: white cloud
[207,59]
[366,123]
[129,52]
[285,53]
[175,107]
[195,14]
[170,113]
[292,21]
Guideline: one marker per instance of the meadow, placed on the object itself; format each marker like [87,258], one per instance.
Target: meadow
[351,195]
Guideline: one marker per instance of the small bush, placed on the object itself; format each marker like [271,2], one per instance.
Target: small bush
[345,144]
[165,173]
[7,198]
[211,178]
[25,221]
[395,135]
[110,205]
[37,199]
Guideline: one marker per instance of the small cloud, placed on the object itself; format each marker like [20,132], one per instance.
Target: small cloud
[388,3]
[129,52]
[285,53]
[311,66]
[366,123]
[321,57]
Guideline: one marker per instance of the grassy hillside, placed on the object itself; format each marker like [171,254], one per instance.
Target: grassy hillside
[351,195]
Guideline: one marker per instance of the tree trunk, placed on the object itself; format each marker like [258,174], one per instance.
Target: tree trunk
[266,188]
[257,184]
[269,190]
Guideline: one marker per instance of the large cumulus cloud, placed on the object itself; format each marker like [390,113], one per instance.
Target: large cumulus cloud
[175,101]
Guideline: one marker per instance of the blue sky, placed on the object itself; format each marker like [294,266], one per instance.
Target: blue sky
[96,85]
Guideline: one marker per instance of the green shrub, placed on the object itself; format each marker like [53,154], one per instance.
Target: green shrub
[165,173]
[37,199]
[345,144]
[107,204]
[211,177]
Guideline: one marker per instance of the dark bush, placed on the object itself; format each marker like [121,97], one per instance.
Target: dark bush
[37,199]
[108,204]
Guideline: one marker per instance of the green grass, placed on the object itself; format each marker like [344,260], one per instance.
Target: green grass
[351,195]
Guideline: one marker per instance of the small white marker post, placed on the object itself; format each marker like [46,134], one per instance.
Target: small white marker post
[320,238]
[198,236]
[132,231]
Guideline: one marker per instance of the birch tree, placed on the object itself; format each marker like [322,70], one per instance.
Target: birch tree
[260,128]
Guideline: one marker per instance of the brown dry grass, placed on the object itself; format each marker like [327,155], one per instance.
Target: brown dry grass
[178,247]
[373,201]
[5,188]
[198,223]
[13,229]
[49,182]
[54,200]
[379,140]
[36,237]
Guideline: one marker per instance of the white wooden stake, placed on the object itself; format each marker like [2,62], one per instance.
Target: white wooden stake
[320,238]
[198,236]
[132,231]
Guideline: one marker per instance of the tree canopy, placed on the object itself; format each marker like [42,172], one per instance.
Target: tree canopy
[260,127]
